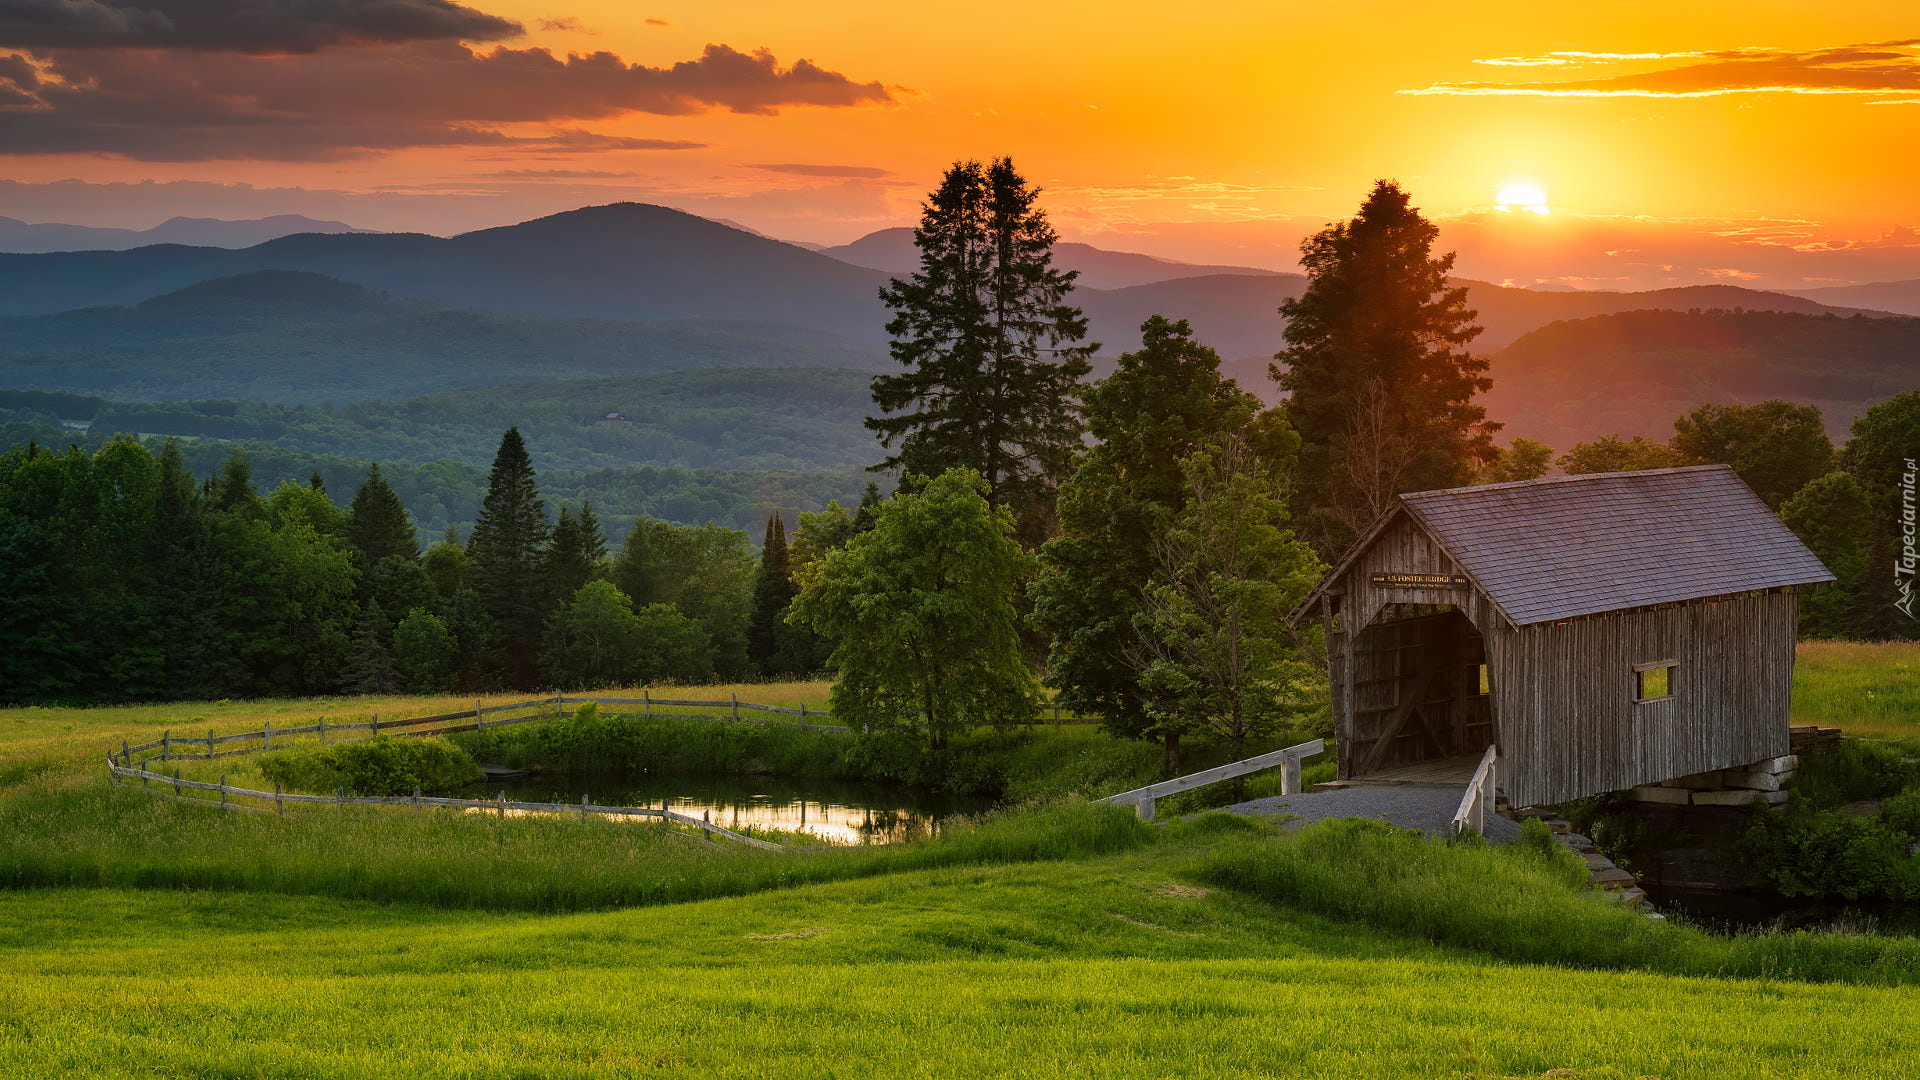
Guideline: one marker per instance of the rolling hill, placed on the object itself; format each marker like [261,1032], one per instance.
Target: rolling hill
[634,263]
[300,337]
[19,236]
[1634,372]
[892,251]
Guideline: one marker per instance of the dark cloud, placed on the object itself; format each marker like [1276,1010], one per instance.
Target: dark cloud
[658,22]
[177,106]
[567,24]
[853,172]
[1876,69]
[244,26]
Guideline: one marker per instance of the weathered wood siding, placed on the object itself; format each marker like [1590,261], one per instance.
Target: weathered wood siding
[1564,692]
[1562,706]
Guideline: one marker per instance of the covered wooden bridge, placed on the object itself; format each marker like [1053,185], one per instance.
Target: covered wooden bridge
[1603,631]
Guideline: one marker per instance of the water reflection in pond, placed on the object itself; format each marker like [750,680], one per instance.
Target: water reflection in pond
[1729,912]
[846,813]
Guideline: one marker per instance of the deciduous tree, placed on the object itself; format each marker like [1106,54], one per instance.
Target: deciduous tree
[1162,402]
[1214,650]
[923,608]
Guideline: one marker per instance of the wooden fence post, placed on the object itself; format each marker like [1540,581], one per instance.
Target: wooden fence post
[373,726]
[736,704]
[583,808]
[323,729]
[223,791]
[266,733]
[1290,776]
[646,698]
[209,744]
[556,703]
[479,718]
[416,798]
[503,804]
[279,805]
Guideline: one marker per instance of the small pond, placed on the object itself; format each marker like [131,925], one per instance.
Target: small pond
[843,812]
[1727,912]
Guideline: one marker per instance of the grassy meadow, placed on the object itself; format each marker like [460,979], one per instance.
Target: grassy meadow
[146,937]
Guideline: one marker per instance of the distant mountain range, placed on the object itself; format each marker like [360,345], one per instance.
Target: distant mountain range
[1898,296]
[299,337]
[892,250]
[19,236]
[607,291]
[1634,372]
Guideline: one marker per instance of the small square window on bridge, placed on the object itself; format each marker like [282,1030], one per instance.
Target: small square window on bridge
[1654,681]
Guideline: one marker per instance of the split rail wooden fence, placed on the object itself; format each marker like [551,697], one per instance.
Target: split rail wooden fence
[126,764]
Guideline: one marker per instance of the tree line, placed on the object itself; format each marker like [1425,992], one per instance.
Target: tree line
[132,580]
[1134,543]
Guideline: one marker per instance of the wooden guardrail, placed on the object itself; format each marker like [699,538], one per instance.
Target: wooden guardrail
[1142,799]
[1472,814]
[279,799]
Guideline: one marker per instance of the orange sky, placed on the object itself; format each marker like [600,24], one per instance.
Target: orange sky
[1715,138]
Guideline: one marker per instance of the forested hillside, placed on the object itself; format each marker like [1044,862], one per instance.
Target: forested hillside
[298,337]
[1633,372]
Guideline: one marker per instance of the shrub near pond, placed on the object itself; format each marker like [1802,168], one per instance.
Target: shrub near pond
[377,766]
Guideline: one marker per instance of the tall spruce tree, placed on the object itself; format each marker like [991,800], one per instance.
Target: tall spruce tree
[1161,404]
[574,555]
[773,589]
[378,525]
[1379,383]
[504,556]
[983,327]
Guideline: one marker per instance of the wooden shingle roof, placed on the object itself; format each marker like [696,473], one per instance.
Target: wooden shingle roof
[1566,546]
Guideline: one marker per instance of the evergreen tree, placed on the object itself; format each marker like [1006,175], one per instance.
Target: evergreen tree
[574,554]
[993,379]
[504,555]
[378,525]
[1885,439]
[371,668]
[1379,384]
[1161,403]
[773,589]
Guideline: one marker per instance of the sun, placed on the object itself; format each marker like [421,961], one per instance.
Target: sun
[1522,195]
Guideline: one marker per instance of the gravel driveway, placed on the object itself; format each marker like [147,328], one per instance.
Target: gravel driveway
[1429,809]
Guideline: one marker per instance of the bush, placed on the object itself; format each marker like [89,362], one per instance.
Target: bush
[1805,851]
[379,766]
[1902,813]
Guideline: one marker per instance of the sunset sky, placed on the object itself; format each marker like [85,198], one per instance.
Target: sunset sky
[1761,142]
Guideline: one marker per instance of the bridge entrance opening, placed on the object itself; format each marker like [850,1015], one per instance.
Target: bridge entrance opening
[1421,700]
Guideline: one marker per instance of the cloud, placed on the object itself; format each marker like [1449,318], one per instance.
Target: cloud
[556,174]
[658,22]
[1875,69]
[244,26]
[154,105]
[567,24]
[851,172]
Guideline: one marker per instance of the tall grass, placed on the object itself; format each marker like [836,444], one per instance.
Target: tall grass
[90,834]
[1520,904]
[1861,688]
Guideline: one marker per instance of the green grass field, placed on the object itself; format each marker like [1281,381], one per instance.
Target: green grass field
[146,938]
